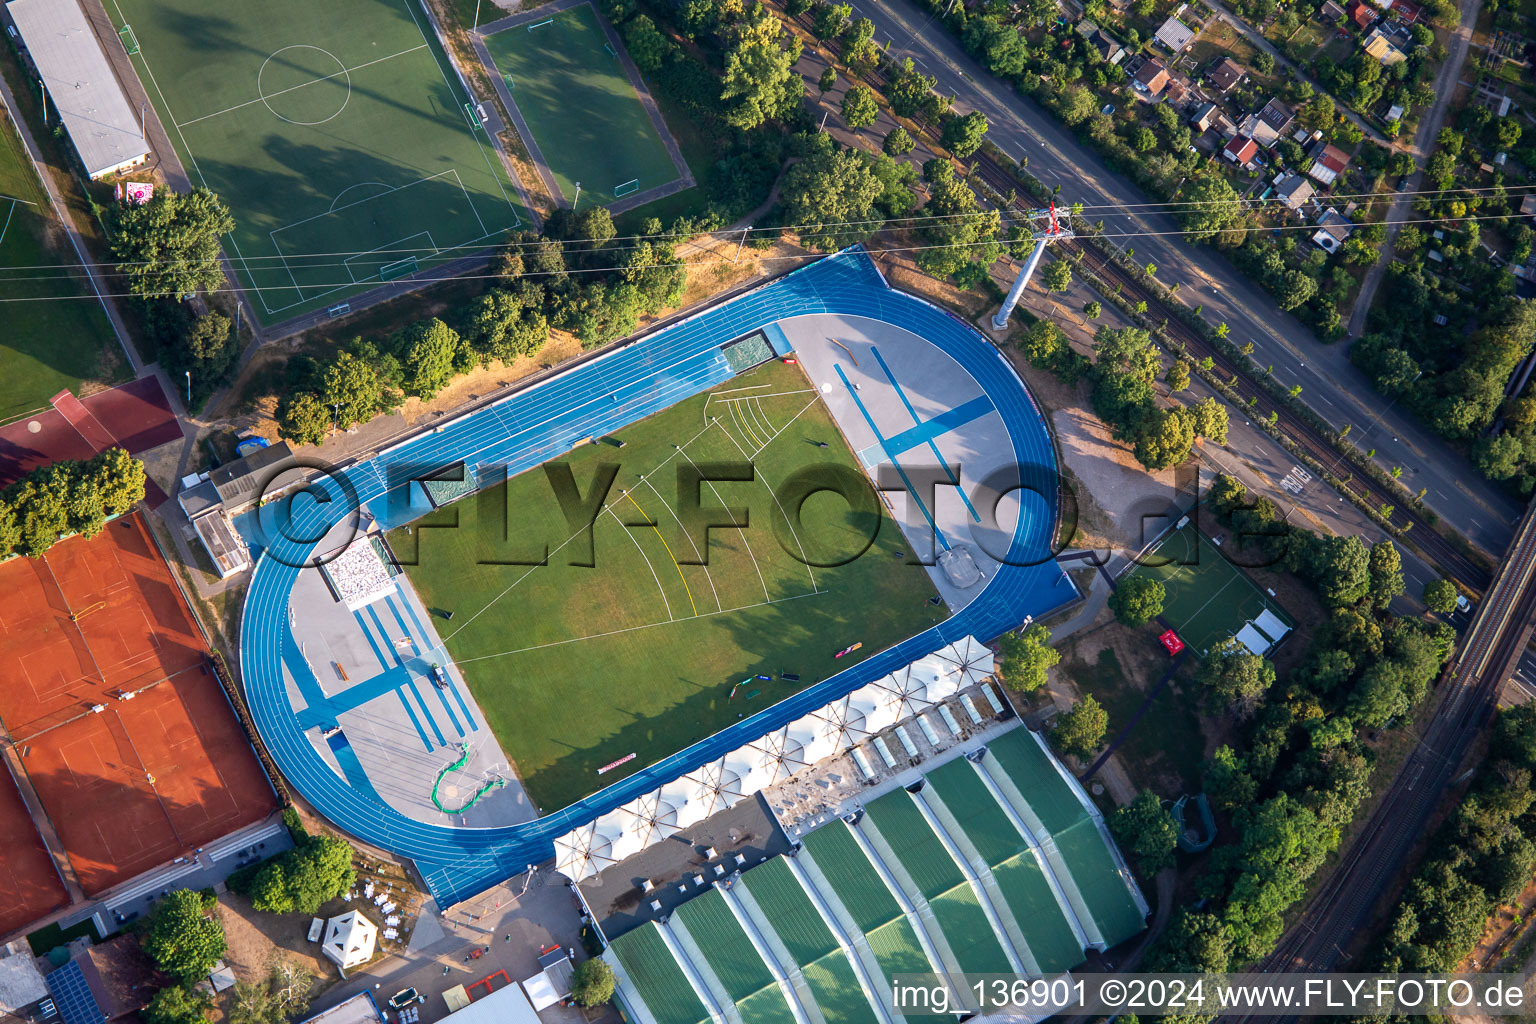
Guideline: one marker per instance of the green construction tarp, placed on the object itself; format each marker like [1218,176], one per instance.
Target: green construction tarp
[1100,882]
[1035,776]
[733,958]
[852,877]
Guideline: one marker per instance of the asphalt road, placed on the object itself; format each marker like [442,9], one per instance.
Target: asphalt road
[1330,384]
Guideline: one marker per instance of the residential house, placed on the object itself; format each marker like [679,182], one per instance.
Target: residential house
[1379,46]
[1109,49]
[1174,35]
[1225,74]
[1332,231]
[1395,112]
[1204,116]
[1362,14]
[1294,191]
[1406,11]
[1528,206]
[1328,162]
[1332,13]
[1151,77]
[1177,91]
[1269,125]
[1241,151]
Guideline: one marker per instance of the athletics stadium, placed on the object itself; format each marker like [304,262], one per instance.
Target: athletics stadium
[396,731]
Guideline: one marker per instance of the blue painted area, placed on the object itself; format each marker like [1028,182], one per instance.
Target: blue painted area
[351,767]
[404,629]
[411,714]
[384,640]
[303,673]
[377,651]
[452,718]
[981,406]
[326,711]
[535,424]
[943,423]
[415,692]
[911,491]
[778,339]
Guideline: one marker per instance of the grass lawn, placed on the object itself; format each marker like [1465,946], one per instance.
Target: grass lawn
[576,667]
[45,346]
[336,133]
[1166,740]
[581,107]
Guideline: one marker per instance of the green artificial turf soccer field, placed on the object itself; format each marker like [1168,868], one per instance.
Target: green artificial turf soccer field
[576,667]
[1208,598]
[582,109]
[335,131]
[45,346]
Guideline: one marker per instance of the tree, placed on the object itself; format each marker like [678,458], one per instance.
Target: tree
[592,982]
[1178,375]
[1210,419]
[832,196]
[963,136]
[1440,596]
[302,418]
[1147,830]
[428,350]
[646,44]
[859,107]
[169,246]
[1080,730]
[1137,600]
[760,82]
[1026,658]
[911,93]
[183,936]
[178,1005]
[1386,569]
[859,44]
[1235,678]
[827,80]
[302,879]
[831,21]
[1338,567]
[1093,310]
[898,142]
[1213,206]
[1164,438]
[961,236]
[1498,458]
[1056,276]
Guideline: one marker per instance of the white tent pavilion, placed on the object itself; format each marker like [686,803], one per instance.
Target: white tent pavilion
[872,701]
[972,659]
[736,774]
[936,676]
[654,821]
[681,796]
[906,696]
[816,741]
[350,939]
[582,853]
[623,829]
[844,721]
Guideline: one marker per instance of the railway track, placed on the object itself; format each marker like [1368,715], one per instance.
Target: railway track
[1492,646]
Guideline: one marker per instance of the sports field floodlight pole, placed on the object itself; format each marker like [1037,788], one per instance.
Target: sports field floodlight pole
[1042,239]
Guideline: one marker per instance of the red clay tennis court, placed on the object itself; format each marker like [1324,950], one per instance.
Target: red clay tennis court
[30,884]
[163,766]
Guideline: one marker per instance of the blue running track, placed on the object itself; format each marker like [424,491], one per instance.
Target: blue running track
[532,426]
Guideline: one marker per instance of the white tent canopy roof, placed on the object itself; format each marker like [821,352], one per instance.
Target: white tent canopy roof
[972,659]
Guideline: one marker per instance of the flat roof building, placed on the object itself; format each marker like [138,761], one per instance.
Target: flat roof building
[106,131]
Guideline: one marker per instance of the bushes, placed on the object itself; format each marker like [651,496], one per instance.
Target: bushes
[302,879]
[67,497]
[183,936]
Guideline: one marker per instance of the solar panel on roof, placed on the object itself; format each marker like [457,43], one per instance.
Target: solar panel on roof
[77,1004]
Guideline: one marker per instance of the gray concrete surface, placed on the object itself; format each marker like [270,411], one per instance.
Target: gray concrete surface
[345,650]
[838,355]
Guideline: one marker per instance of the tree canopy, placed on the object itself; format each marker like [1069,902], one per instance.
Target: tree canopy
[168,246]
[1027,655]
[1137,600]
[1080,730]
[184,936]
[1146,829]
[833,195]
[592,982]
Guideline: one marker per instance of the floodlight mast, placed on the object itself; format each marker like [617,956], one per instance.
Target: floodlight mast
[1042,238]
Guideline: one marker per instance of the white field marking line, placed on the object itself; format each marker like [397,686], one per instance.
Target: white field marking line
[744,540]
[9,213]
[165,105]
[531,568]
[349,188]
[631,629]
[741,424]
[731,391]
[471,202]
[18,199]
[488,166]
[302,85]
[1195,616]
[785,427]
[805,559]
[759,429]
[403,254]
[648,565]
[757,406]
[366,199]
[703,562]
[776,394]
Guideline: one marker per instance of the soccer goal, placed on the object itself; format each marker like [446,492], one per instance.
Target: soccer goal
[130,41]
[625,189]
[541,24]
